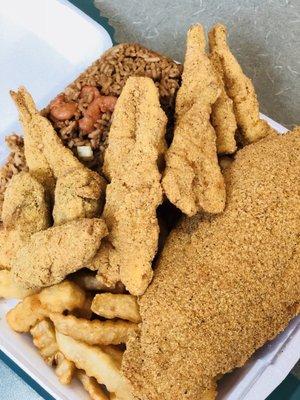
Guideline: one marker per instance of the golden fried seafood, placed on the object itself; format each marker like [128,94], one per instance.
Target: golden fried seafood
[239,88]
[193,180]
[52,254]
[136,141]
[237,275]
[33,124]
[24,212]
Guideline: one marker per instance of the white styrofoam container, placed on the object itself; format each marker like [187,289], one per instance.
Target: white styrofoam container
[44,45]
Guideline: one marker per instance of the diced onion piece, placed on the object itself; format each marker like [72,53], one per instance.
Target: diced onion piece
[85,152]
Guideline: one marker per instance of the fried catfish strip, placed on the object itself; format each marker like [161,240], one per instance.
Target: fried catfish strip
[52,254]
[30,120]
[136,141]
[79,192]
[25,211]
[239,278]
[239,88]
[193,180]
[222,116]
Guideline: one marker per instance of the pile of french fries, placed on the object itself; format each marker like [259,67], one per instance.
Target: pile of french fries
[78,330]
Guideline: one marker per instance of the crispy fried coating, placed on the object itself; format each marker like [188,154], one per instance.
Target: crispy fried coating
[24,212]
[224,284]
[136,141]
[239,88]
[222,116]
[79,194]
[52,254]
[33,125]
[94,332]
[193,180]
[25,205]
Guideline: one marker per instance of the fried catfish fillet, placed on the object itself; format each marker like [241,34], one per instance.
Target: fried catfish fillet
[79,192]
[52,254]
[35,159]
[136,142]
[237,275]
[239,88]
[25,211]
[193,180]
[222,117]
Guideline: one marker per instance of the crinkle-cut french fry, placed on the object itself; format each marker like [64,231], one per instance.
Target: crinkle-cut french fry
[65,369]
[122,306]
[96,363]
[93,332]
[9,289]
[26,314]
[91,385]
[44,338]
[64,296]
[115,353]
[43,334]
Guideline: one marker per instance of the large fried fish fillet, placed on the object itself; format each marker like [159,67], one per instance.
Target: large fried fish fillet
[136,143]
[193,180]
[224,284]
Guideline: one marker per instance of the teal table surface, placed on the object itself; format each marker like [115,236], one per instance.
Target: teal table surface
[15,384]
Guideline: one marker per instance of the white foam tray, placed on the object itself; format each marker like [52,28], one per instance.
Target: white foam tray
[44,45]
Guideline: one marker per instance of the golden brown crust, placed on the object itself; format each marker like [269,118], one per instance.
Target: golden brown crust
[79,194]
[35,159]
[193,180]
[225,284]
[136,141]
[52,254]
[222,116]
[25,211]
[239,88]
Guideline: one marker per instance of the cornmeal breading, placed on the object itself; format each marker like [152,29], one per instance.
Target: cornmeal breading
[239,88]
[52,254]
[25,211]
[35,159]
[224,284]
[136,141]
[79,192]
[193,180]
[222,116]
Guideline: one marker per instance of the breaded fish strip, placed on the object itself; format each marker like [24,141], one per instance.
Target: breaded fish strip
[79,192]
[222,116]
[25,211]
[52,254]
[239,88]
[237,275]
[193,180]
[136,141]
[35,159]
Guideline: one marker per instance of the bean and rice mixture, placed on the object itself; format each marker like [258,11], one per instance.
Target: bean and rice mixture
[81,115]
